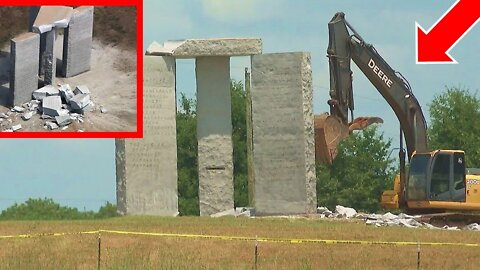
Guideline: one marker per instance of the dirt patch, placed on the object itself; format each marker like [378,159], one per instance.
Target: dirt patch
[13,21]
[115,26]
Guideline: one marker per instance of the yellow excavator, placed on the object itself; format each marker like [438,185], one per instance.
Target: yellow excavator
[437,181]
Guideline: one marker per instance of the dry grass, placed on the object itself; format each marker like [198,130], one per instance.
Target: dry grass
[149,252]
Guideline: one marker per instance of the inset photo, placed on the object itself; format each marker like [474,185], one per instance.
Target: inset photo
[69,69]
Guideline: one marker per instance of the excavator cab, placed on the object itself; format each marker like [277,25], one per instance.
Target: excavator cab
[437,176]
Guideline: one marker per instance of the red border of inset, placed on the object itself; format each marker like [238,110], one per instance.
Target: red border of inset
[93,134]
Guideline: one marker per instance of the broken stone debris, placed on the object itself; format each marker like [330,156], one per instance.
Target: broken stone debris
[16,127]
[80,101]
[26,116]
[387,219]
[66,92]
[236,212]
[18,109]
[58,106]
[52,105]
[71,102]
[51,125]
[81,89]
[44,92]
[63,120]
[345,211]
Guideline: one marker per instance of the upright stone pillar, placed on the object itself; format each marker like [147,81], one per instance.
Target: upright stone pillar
[24,50]
[49,61]
[214,134]
[283,134]
[77,43]
[147,167]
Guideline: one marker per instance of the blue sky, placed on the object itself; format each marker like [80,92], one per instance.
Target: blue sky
[81,173]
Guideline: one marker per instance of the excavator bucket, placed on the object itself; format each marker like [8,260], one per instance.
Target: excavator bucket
[330,131]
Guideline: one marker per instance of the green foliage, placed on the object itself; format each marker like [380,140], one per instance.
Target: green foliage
[109,210]
[187,165]
[239,137]
[359,174]
[455,123]
[47,209]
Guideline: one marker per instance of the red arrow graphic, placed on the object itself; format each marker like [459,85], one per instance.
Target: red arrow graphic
[433,46]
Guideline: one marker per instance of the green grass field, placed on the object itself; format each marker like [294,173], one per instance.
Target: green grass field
[151,252]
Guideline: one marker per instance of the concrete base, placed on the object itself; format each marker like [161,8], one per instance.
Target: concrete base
[147,168]
[283,134]
[214,133]
[77,43]
[24,51]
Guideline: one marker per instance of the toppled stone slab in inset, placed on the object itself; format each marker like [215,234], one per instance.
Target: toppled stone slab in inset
[51,125]
[80,101]
[66,92]
[81,89]
[18,109]
[16,127]
[26,116]
[192,48]
[50,17]
[48,90]
[52,105]
[63,120]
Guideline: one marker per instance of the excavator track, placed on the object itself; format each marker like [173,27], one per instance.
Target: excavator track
[450,219]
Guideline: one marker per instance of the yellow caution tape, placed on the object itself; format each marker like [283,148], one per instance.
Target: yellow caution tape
[246,238]
[290,241]
[45,234]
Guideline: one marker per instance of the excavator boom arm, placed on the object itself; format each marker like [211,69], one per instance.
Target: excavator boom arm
[346,44]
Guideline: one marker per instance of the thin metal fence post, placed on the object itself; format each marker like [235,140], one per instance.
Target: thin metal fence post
[256,253]
[99,249]
[418,255]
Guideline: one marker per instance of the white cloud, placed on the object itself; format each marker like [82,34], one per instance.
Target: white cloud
[241,11]
[166,19]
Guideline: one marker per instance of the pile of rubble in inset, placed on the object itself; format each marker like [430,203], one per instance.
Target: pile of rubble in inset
[57,106]
[388,219]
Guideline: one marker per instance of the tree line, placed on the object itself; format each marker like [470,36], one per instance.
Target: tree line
[47,209]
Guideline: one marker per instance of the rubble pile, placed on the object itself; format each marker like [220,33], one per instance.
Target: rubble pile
[236,212]
[388,219]
[57,106]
